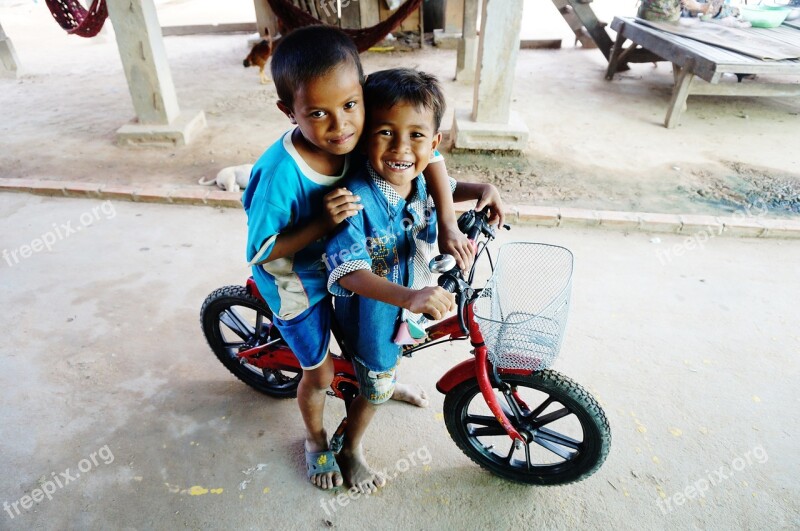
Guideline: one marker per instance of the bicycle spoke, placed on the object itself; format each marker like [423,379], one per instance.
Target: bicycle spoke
[490,426]
[538,411]
[555,448]
[238,326]
[510,456]
[550,417]
[558,438]
[488,431]
[481,420]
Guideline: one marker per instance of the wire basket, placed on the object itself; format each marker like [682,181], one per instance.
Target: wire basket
[522,311]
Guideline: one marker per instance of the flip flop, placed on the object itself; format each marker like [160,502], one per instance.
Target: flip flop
[321,463]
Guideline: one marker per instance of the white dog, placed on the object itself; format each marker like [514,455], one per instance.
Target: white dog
[231,179]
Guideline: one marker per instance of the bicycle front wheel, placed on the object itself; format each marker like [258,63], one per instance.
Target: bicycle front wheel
[567,433]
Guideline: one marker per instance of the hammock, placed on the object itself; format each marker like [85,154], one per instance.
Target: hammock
[293,17]
[74,18]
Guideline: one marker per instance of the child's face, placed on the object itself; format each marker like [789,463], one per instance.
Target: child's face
[400,141]
[330,111]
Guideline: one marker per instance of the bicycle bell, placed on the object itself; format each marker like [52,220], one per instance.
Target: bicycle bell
[442,263]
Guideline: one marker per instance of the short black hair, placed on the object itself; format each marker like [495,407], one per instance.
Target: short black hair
[387,88]
[308,53]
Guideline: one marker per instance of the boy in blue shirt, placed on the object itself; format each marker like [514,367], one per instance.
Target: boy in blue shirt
[292,203]
[377,258]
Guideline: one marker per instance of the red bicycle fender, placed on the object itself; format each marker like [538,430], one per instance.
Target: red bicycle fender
[459,373]
[463,372]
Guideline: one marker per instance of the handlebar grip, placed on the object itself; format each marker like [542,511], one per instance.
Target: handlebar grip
[449,284]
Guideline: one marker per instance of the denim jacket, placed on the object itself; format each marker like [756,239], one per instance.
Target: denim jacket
[392,237]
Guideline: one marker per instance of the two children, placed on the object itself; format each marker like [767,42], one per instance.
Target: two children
[292,205]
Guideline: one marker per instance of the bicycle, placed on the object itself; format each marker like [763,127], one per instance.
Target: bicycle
[515,329]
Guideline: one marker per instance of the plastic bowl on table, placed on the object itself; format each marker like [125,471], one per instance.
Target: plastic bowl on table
[764,16]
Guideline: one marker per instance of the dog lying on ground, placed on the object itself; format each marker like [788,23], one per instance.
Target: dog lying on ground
[259,56]
[231,179]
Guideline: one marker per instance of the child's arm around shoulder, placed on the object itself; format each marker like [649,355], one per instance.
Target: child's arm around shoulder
[451,240]
[487,195]
[338,205]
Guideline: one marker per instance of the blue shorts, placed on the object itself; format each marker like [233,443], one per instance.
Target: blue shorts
[308,334]
[376,387]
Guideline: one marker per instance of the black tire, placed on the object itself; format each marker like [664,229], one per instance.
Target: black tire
[233,320]
[559,413]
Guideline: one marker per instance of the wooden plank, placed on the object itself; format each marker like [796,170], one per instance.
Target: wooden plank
[574,23]
[208,29]
[679,94]
[711,61]
[412,23]
[351,14]
[750,89]
[369,11]
[540,44]
[616,52]
[453,16]
[595,28]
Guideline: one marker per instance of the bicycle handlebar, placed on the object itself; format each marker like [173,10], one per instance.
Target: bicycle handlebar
[473,224]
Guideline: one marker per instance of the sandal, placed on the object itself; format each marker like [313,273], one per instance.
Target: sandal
[321,463]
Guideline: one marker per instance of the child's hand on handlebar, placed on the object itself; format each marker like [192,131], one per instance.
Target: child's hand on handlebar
[454,242]
[433,301]
[490,197]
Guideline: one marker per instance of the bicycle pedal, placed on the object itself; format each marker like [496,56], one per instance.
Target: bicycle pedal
[336,444]
[337,441]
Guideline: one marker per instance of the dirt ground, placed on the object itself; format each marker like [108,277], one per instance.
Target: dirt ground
[593,143]
[693,355]
[691,348]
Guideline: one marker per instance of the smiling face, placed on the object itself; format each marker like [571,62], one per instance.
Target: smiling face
[400,142]
[329,111]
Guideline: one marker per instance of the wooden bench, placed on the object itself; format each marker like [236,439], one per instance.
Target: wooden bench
[692,59]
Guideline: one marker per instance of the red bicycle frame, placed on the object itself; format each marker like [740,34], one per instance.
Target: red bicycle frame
[277,356]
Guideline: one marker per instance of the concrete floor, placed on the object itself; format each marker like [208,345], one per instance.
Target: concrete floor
[106,378]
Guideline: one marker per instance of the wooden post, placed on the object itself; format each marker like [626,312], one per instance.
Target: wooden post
[491,125]
[9,63]
[144,59]
[467,56]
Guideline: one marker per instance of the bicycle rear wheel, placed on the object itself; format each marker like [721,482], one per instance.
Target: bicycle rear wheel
[234,320]
[567,433]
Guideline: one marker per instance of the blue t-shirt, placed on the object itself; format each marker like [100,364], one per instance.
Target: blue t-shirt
[393,238]
[285,192]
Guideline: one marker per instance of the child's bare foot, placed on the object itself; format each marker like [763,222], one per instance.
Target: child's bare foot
[413,394]
[358,473]
[323,470]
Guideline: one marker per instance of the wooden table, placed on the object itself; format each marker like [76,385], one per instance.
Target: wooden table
[692,59]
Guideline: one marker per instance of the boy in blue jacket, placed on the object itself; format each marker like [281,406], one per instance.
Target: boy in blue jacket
[377,258]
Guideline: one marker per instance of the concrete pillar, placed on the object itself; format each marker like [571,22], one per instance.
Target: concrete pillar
[265,19]
[467,56]
[453,18]
[144,59]
[491,125]
[9,63]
